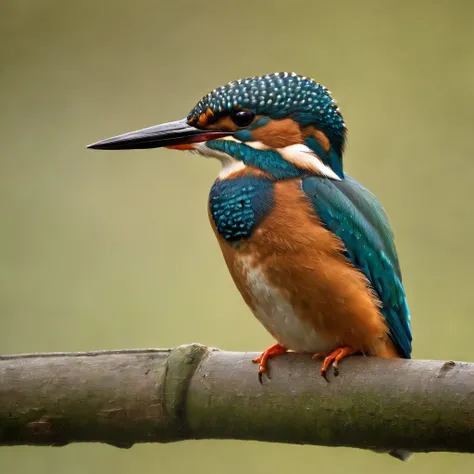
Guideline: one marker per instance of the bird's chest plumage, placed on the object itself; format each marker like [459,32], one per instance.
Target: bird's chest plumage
[237,206]
[275,310]
[291,270]
[239,209]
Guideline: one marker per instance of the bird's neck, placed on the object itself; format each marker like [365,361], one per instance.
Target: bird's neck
[291,161]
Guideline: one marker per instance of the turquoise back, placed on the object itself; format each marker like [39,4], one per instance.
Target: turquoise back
[352,213]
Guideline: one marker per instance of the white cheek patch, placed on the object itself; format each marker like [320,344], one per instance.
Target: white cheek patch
[303,157]
[298,154]
[258,146]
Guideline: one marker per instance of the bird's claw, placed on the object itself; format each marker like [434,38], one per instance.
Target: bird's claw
[332,359]
[262,360]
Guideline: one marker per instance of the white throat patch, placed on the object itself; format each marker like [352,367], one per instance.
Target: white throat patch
[229,164]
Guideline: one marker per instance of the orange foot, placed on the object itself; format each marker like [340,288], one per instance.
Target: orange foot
[274,350]
[333,358]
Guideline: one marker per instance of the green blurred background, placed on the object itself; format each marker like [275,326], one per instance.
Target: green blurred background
[102,250]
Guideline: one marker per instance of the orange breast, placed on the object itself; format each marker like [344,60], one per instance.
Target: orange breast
[293,276]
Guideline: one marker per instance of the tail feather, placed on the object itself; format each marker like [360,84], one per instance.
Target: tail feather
[401,454]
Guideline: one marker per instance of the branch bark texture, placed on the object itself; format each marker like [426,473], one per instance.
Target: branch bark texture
[195,392]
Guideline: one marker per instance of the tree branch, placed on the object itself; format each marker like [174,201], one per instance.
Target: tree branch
[194,392]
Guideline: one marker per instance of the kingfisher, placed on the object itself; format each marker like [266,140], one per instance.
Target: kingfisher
[309,248]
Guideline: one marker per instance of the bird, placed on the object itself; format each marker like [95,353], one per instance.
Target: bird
[310,249]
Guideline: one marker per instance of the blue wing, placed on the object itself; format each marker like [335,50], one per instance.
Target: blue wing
[353,213]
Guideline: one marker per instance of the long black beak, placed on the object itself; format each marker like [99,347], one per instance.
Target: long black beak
[178,134]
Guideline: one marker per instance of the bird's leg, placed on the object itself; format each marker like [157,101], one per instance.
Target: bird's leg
[333,358]
[274,350]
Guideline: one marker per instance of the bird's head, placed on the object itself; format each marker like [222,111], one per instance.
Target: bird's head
[284,124]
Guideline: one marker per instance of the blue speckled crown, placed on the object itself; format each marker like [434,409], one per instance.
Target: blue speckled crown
[278,95]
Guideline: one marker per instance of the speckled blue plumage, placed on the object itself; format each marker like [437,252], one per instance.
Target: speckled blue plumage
[278,96]
[238,205]
[352,213]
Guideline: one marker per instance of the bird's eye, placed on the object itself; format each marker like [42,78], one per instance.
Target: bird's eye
[242,118]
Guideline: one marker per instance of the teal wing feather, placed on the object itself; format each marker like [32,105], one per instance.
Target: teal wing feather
[353,213]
